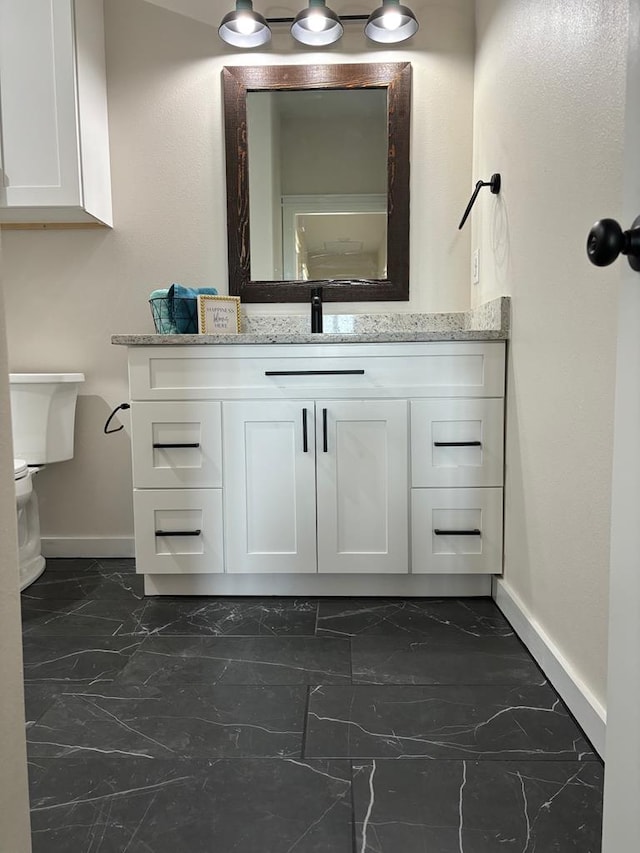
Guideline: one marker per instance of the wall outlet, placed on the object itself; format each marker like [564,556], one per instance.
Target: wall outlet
[475,267]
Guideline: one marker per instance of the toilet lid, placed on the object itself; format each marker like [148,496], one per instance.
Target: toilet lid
[20,469]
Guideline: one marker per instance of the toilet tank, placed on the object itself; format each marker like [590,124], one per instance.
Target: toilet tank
[43,407]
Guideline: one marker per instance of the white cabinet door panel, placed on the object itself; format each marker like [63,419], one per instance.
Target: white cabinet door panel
[53,105]
[38,95]
[456,531]
[178,531]
[176,445]
[456,443]
[269,488]
[362,462]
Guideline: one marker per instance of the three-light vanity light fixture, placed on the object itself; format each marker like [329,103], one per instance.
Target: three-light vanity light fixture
[317,25]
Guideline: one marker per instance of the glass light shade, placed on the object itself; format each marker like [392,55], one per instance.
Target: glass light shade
[391,23]
[317,25]
[244,27]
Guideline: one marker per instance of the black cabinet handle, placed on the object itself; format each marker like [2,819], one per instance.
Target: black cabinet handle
[474,532]
[178,532]
[325,444]
[457,444]
[159,446]
[305,446]
[314,372]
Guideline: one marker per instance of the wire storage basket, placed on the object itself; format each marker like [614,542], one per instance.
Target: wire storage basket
[174,315]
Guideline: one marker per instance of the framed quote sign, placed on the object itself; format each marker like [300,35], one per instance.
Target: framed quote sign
[218,315]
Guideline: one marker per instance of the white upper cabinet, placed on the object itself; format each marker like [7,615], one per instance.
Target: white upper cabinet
[55,148]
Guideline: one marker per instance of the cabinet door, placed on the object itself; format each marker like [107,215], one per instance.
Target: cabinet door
[38,96]
[362,465]
[269,486]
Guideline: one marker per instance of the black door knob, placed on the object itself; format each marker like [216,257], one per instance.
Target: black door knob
[607,240]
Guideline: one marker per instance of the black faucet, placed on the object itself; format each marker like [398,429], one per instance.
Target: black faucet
[316,309]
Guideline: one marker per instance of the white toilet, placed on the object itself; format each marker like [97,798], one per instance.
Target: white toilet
[43,407]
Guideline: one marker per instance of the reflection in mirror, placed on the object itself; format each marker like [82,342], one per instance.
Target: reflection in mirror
[338,245]
[318,181]
[318,184]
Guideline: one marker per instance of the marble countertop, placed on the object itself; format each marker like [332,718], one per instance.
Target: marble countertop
[488,322]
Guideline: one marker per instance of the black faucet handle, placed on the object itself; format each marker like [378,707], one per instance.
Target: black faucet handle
[316,309]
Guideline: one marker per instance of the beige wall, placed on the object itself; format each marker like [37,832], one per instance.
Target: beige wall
[67,292]
[14,803]
[548,115]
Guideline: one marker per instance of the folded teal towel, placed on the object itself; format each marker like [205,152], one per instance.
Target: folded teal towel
[178,290]
[183,307]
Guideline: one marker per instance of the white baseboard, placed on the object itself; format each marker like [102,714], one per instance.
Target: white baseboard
[59,546]
[587,710]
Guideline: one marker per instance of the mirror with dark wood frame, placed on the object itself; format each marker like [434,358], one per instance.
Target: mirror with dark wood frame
[391,278]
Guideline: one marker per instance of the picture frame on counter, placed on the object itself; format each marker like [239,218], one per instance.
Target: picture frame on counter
[218,315]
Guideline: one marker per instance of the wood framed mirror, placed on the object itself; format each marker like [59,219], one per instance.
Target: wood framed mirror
[291,224]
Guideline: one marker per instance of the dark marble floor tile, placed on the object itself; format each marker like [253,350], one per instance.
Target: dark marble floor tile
[249,617]
[476,660]
[83,564]
[448,618]
[187,722]
[238,660]
[70,564]
[104,617]
[40,696]
[109,804]
[90,660]
[204,617]
[442,722]
[93,582]
[477,807]
[125,565]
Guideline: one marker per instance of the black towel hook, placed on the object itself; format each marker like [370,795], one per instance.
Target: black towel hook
[494,183]
[108,431]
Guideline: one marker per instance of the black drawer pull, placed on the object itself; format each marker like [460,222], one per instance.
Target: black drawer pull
[474,532]
[159,446]
[325,439]
[314,372]
[178,532]
[457,444]
[305,444]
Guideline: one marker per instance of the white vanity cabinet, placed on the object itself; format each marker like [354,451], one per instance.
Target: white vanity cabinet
[318,468]
[316,486]
[53,104]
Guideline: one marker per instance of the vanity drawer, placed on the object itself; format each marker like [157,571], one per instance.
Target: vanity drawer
[457,443]
[178,531]
[456,531]
[443,369]
[176,445]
